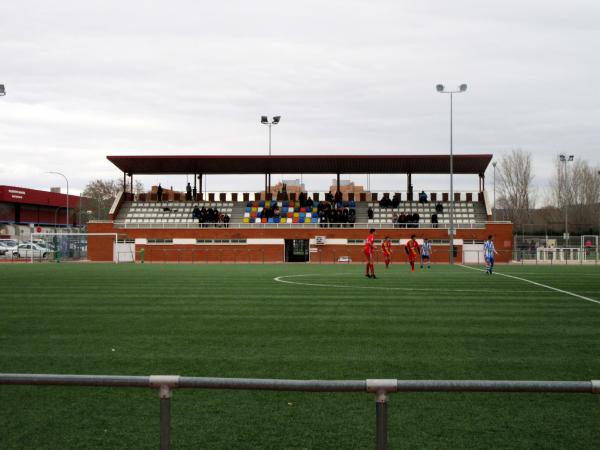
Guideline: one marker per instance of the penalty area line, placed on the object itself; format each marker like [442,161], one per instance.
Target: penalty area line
[562,291]
[282,279]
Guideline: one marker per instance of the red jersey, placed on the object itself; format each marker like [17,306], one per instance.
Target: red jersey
[412,248]
[386,246]
[370,244]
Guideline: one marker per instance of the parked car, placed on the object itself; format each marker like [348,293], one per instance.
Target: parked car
[7,250]
[31,250]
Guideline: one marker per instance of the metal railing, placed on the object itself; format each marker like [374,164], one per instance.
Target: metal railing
[380,388]
[238,225]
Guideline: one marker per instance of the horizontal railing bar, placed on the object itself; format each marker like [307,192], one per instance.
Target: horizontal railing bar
[273,384]
[300,385]
[75,380]
[493,386]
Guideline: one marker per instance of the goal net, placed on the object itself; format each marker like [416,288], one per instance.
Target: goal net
[58,247]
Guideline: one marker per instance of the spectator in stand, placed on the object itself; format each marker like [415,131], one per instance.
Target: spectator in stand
[302,199]
[422,197]
[396,200]
[370,213]
[395,220]
[309,202]
[416,219]
[159,192]
[439,208]
[226,220]
[329,197]
[338,197]
[402,220]
[194,193]
[202,216]
[351,217]
[188,192]
[434,220]
[196,212]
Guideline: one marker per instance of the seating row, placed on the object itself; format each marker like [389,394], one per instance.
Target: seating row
[281,220]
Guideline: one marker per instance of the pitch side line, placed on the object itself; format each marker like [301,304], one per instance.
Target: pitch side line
[572,294]
[280,279]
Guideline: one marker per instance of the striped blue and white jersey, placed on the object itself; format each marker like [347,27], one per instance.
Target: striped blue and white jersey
[489,249]
[426,249]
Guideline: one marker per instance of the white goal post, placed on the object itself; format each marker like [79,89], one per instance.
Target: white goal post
[67,246]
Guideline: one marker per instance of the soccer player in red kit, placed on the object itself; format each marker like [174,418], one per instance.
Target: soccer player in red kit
[370,252]
[386,246]
[412,250]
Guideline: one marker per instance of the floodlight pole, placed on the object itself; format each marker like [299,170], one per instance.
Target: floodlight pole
[67,181]
[565,159]
[494,209]
[2,90]
[441,90]
[265,121]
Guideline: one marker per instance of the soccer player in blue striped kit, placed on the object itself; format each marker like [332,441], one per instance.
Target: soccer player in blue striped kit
[488,252]
[426,253]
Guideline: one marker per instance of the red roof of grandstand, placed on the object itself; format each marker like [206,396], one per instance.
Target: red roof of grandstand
[14,194]
[255,164]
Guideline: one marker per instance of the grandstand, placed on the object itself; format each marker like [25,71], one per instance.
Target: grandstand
[293,231]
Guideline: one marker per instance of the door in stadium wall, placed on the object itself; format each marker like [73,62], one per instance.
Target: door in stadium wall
[296,250]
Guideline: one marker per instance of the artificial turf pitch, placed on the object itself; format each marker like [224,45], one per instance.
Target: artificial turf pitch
[237,321]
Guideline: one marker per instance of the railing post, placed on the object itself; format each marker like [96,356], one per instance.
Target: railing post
[165,417]
[165,384]
[381,388]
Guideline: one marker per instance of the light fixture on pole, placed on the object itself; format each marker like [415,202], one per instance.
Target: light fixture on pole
[2,90]
[494,209]
[566,159]
[265,121]
[67,180]
[462,88]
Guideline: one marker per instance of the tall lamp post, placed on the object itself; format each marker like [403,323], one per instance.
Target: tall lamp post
[67,181]
[462,88]
[2,90]
[494,210]
[265,121]
[566,159]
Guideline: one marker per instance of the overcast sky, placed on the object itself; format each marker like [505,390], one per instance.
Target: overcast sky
[86,79]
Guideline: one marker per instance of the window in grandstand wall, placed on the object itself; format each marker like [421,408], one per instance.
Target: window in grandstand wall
[356,241]
[220,241]
[474,242]
[160,241]
[125,241]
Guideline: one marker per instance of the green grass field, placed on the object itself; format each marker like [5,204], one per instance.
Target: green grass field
[237,321]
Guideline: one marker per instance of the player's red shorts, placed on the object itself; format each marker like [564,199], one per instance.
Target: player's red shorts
[386,254]
[368,253]
[412,257]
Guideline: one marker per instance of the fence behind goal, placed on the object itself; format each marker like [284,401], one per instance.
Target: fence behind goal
[72,247]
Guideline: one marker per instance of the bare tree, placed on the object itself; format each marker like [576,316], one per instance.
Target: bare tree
[516,186]
[576,186]
[101,194]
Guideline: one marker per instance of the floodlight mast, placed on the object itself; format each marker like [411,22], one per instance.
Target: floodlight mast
[441,89]
[2,90]
[566,159]
[494,164]
[265,121]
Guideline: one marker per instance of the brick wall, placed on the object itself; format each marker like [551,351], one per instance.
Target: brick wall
[275,253]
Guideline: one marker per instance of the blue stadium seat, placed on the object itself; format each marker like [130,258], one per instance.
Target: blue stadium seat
[270,220]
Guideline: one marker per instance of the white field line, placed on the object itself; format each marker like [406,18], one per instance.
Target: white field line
[281,279]
[562,291]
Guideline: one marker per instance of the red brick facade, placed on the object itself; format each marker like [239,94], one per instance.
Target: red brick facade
[99,248]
